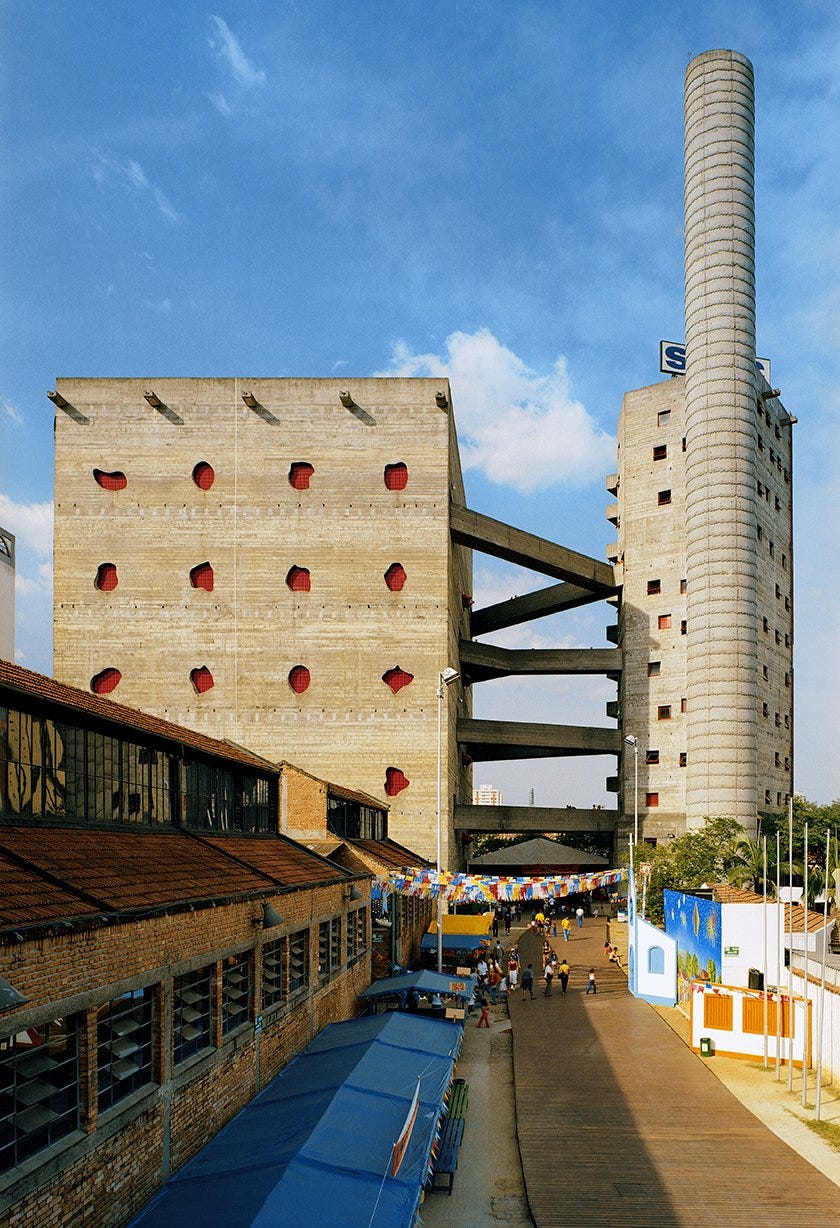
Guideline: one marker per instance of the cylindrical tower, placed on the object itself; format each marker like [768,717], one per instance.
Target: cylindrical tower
[720,410]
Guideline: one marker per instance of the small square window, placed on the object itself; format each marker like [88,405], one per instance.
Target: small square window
[760,491]
[765,624]
[663,417]
[663,497]
[777,760]
[651,756]
[778,720]
[683,586]
[760,444]
[683,704]
[787,679]
[784,562]
[765,672]
[787,603]
[684,627]
[654,586]
[772,549]
[767,797]
[663,712]
[683,758]
[651,799]
[787,764]
[778,637]
[778,503]
[660,451]
[787,721]
[787,640]
[778,799]
[654,668]
[778,593]
[759,533]
[664,622]
[683,443]
[765,710]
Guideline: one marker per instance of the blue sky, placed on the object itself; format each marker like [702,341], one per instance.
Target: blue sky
[489,189]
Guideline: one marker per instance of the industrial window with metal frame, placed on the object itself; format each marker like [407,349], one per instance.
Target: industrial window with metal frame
[40,1089]
[125,1049]
[192,1013]
[273,973]
[236,991]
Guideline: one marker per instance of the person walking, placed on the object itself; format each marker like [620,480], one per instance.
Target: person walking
[498,952]
[548,976]
[565,925]
[528,982]
[591,987]
[484,1017]
[513,968]
[579,915]
[563,972]
[506,919]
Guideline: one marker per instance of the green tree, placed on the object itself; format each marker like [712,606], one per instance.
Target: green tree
[696,859]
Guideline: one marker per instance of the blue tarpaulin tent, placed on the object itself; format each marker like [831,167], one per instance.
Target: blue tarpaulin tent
[426,982]
[456,942]
[317,1141]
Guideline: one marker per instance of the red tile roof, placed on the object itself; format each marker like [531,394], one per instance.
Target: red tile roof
[26,898]
[281,859]
[389,853]
[40,687]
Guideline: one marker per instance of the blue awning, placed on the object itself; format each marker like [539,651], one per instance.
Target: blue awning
[426,982]
[455,942]
[321,1135]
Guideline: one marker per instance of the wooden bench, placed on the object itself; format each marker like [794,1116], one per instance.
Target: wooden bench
[459,1098]
[446,1162]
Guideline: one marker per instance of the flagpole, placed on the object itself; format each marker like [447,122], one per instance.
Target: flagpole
[790,946]
[806,1034]
[779,921]
[821,1013]
[764,914]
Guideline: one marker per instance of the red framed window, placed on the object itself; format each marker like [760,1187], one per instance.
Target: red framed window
[106,577]
[397,678]
[395,577]
[299,679]
[201,576]
[203,475]
[298,579]
[110,481]
[395,781]
[202,679]
[300,473]
[651,799]
[396,476]
[105,681]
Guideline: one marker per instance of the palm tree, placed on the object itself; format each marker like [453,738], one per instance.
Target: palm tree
[746,868]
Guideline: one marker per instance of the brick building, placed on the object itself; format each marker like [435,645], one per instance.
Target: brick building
[163,950]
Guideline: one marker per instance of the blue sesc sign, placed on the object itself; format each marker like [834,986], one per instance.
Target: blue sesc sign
[672,360]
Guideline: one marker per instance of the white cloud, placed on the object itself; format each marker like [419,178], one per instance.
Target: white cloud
[11,411]
[131,175]
[220,103]
[31,523]
[520,428]
[225,43]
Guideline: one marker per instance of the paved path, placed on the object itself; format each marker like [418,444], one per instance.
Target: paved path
[620,1124]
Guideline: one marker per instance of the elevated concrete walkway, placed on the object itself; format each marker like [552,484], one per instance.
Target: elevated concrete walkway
[619,1123]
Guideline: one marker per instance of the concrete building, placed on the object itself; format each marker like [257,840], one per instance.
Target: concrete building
[270,561]
[704,516]
[7,595]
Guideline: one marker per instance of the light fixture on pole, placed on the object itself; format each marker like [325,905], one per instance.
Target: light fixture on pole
[445,679]
[634,742]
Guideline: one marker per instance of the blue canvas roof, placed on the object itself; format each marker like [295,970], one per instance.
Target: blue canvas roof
[321,1135]
[427,982]
[455,942]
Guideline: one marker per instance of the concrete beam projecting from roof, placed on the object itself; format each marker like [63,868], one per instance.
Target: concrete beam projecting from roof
[516,546]
[533,818]
[498,740]
[539,604]
[482,661]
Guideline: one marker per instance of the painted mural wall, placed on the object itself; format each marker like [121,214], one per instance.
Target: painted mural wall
[695,926]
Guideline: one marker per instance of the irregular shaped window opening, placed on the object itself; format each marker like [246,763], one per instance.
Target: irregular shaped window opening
[201,576]
[397,678]
[395,577]
[106,577]
[299,580]
[105,681]
[299,679]
[395,781]
[202,679]
[300,473]
[396,476]
[203,475]
[110,481]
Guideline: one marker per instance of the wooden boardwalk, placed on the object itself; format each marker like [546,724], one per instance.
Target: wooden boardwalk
[620,1124]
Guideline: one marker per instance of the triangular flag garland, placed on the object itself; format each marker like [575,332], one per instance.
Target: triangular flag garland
[474,888]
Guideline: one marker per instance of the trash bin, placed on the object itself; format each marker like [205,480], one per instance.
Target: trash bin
[706,1046]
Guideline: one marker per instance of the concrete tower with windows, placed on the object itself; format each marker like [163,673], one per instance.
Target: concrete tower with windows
[270,561]
[703,511]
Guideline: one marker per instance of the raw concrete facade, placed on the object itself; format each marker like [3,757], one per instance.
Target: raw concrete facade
[270,561]
[705,512]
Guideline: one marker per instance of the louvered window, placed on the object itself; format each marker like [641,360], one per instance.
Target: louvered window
[39,1089]
[361,931]
[125,1046]
[191,1022]
[298,961]
[335,945]
[273,960]
[356,930]
[236,992]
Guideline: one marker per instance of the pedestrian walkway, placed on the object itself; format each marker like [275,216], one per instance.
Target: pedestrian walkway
[620,1124]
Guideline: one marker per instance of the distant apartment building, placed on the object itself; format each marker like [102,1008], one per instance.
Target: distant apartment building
[487,795]
[270,561]
[7,595]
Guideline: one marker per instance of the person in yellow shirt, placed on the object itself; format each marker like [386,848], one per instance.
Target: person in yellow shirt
[565,925]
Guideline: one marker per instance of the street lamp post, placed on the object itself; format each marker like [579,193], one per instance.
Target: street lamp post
[634,742]
[445,678]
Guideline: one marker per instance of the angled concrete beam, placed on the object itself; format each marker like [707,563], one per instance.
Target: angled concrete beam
[496,740]
[482,661]
[540,604]
[516,546]
[533,818]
